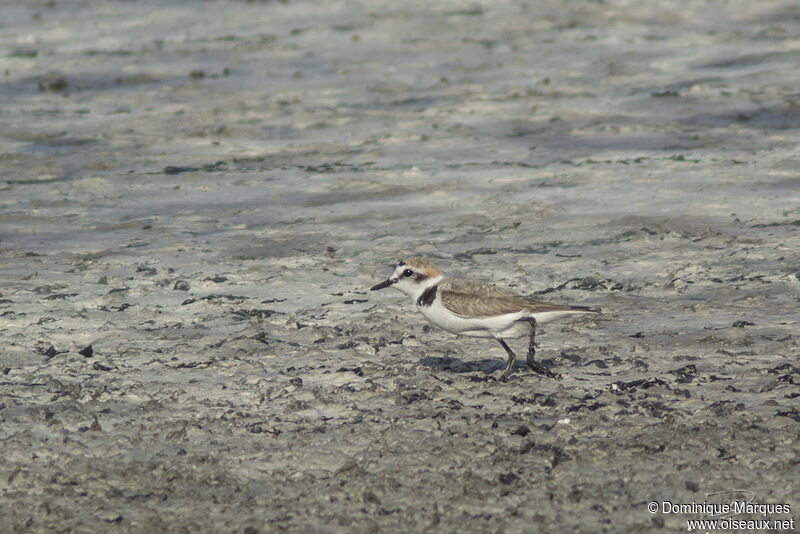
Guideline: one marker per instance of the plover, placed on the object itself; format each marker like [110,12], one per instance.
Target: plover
[476,309]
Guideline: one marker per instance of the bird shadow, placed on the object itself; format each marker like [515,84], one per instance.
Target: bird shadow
[454,365]
[476,370]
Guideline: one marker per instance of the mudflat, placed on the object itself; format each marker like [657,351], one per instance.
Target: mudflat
[196,196]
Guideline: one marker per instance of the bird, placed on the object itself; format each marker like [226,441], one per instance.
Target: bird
[477,309]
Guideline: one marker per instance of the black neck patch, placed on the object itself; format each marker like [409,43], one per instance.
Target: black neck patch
[428,296]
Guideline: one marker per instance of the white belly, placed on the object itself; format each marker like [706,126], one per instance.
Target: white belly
[505,326]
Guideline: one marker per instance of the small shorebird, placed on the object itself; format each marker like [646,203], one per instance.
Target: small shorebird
[476,309]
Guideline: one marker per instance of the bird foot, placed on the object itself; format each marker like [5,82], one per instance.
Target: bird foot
[540,368]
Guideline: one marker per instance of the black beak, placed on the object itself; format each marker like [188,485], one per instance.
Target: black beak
[385,283]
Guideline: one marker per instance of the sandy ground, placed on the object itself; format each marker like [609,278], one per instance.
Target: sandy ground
[202,193]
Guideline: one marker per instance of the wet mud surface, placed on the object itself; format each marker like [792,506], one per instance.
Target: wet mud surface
[195,199]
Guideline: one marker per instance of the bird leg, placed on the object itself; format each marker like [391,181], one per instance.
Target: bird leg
[534,365]
[511,358]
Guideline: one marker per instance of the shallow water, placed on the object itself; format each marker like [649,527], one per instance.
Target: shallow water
[204,192]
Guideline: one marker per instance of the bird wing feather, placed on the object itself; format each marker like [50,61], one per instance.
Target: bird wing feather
[472,298]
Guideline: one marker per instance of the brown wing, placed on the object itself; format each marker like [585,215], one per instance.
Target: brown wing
[470,298]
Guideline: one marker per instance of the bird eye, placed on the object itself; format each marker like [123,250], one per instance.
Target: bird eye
[408,272]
